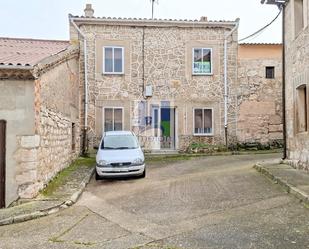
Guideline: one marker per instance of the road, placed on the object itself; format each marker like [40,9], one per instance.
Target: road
[212,202]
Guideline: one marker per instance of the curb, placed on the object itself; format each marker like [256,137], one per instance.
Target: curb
[302,196]
[37,214]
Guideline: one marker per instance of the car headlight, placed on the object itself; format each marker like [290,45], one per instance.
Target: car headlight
[138,161]
[102,163]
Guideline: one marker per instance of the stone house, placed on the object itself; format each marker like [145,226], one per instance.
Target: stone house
[172,82]
[259,118]
[39,114]
[163,79]
[296,33]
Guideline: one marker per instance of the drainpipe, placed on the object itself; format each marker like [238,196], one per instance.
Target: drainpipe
[85,86]
[283,85]
[226,96]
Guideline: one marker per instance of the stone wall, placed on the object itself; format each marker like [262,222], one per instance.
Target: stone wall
[161,54]
[58,117]
[259,98]
[297,74]
[17,108]
[42,153]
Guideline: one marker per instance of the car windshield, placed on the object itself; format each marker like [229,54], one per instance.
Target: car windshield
[119,142]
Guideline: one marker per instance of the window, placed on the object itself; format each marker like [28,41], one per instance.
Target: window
[301,109]
[270,72]
[73,136]
[203,124]
[113,119]
[113,60]
[298,16]
[202,61]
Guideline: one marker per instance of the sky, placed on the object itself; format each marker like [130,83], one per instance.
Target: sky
[48,19]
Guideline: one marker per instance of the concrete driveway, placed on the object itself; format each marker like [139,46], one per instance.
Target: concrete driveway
[212,202]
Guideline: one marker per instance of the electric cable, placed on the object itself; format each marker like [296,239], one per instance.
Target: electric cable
[262,29]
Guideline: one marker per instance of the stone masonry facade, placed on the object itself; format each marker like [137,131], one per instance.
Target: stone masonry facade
[157,94]
[56,103]
[297,82]
[260,98]
[158,53]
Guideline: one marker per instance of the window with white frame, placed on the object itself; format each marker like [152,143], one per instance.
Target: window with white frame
[113,119]
[202,61]
[203,121]
[113,60]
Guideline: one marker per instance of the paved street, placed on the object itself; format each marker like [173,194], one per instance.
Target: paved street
[212,202]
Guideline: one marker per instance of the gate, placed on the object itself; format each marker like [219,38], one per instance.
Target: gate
[2,162]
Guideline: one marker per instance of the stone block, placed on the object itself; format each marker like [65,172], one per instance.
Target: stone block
[26,177]
[275,120]
[275,135]
[257,108]
[276,128]
[30,141]
[29,191]
[25,166]
[24,155]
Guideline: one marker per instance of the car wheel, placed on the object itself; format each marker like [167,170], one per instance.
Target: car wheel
[144,174]
[97,177]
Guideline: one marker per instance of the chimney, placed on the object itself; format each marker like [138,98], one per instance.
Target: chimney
[203,19]
[89,10]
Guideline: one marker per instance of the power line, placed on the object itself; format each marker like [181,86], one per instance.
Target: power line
[262,29]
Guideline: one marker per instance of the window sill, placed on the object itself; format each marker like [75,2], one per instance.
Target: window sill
[203,135]
[112,73]
[202,74]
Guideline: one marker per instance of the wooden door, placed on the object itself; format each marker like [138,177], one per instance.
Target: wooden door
[2,162]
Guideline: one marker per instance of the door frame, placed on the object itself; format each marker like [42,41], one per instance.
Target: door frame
[2,163]
[175,127]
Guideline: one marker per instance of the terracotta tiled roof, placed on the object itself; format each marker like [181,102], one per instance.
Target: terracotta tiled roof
[203,22]
[28,52]
[147,19]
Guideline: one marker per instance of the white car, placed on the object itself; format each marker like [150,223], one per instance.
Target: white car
[119,155]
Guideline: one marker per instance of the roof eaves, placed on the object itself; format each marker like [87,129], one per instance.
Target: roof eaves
[150,22]
[53,60]
[16,67]
[260,43]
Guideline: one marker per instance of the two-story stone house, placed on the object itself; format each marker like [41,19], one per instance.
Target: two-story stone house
[171,81]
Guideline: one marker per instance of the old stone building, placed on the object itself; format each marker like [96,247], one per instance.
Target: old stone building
[172,82]
[260,94]
[163,79]
[297,80]
[39,113]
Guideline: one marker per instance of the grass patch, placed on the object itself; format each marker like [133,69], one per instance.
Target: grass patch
[56,240]
[153,245]
[84,243]
[63,175]
[167,159]
[149,158]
